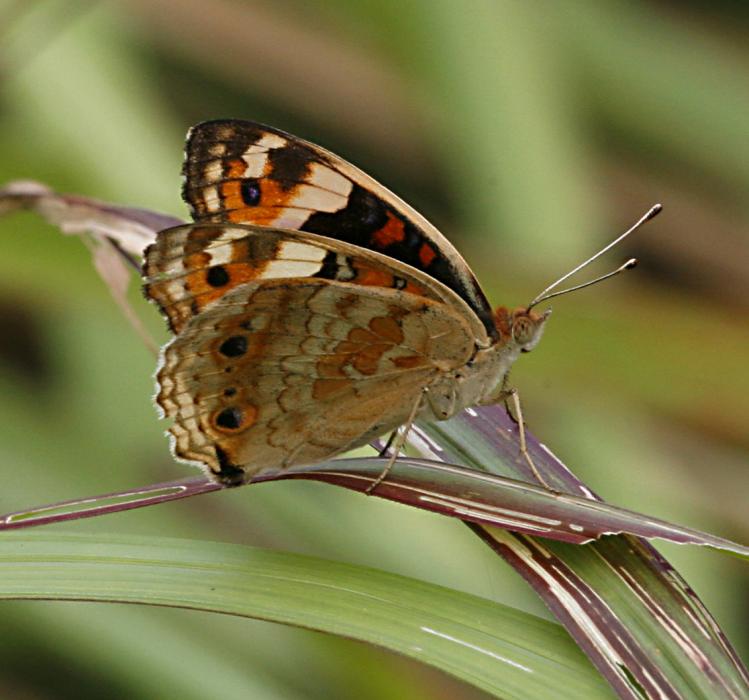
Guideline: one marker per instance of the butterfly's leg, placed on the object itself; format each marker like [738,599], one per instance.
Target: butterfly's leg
[398,437]
[514,398]
[383,452]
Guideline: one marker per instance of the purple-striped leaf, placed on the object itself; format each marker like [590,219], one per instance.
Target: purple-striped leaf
[443,488]
[638,621]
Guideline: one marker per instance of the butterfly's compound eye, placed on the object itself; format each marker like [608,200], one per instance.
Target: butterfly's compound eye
[522,330]
[527,328]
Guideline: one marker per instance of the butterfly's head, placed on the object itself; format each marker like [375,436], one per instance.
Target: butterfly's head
[522,327]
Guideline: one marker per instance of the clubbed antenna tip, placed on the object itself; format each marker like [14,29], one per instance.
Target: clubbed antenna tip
[546,294]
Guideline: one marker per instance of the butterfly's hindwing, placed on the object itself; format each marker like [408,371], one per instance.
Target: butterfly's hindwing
[281,372]
[242,172]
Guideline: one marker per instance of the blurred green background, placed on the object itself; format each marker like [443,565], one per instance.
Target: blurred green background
[530,133]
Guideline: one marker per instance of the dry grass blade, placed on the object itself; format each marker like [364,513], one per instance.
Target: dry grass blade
[115,235]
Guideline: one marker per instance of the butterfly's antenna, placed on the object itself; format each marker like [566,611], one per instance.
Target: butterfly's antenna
[543,296]
[632,262]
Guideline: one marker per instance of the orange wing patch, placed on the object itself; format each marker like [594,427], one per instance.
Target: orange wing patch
[323,389]
[273,195]
[363,349]
[392,232]
[370,276]
[388,328]
[426,254]
[409,362]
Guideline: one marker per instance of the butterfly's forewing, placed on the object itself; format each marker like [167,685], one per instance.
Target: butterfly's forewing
[293,371]
[243,172]
[192,266]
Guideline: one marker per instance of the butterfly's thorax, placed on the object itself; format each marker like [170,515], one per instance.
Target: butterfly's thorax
[481,381]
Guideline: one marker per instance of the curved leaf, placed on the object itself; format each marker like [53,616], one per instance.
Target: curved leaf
[506,652]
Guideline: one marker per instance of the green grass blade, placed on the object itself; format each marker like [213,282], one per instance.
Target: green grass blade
[503,651]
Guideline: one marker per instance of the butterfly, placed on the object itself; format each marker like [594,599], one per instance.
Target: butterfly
[312,309]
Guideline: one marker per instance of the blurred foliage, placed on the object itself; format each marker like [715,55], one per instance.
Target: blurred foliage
[530,133]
